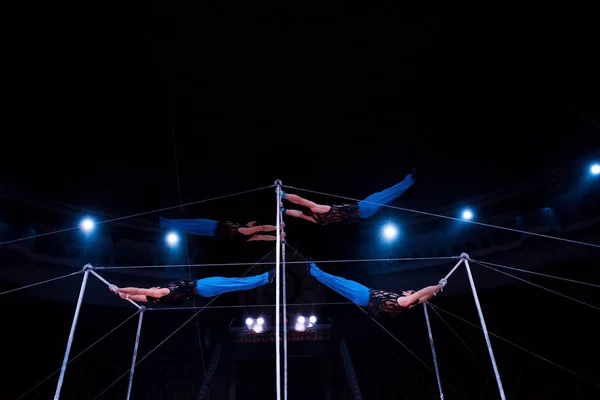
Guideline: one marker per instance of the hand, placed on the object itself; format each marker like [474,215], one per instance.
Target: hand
[113,288]
[407,292]
[251,224]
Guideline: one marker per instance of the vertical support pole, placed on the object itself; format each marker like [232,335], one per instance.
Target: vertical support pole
[135,351]
[278,293]
[349,369]
[214,364]
[63,369]
[485,331]
[284,325]
[435,362]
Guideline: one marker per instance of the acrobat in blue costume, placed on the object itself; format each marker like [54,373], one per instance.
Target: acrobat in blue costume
[220,229]
[376,300]
[177,293]
[340,213]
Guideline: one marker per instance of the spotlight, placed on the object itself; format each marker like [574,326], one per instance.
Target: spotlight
[87,225]
[172,239]
[300,327]
[301,319]
[467,214]
[249,321]
[312,319]
[595,169]
[390,232]
[260,321]
[257,328]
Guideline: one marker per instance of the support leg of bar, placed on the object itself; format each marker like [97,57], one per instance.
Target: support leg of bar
[284,305]
[63,369]
[435,362]
[135,351]
[278,293]
[350,373]
[485,331]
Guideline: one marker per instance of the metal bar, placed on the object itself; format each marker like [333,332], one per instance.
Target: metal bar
[284,304]
[210,373]
[63,369]
[278,292]
[485,331]
[454,269]
[350,373]
[135,351]
[435,362]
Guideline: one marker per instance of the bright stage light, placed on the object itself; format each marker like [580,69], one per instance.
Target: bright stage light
[172,238]
[467,214]
[257,328]
[312,319]
[260,321]
[390,232]
[87,225]
[300,327]
[301,319]
[595,169]
[249,321]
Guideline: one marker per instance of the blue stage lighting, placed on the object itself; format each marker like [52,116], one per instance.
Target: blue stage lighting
[87,225]
[390,232]
[467,214]
[172,239]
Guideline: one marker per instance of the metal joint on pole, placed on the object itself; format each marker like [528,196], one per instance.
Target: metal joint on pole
[135,351]
[484,328]
[278,292]
[88,267]
[465,256]
[435,362]
[63,369]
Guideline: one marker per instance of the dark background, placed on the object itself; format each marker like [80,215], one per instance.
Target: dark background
[121,109]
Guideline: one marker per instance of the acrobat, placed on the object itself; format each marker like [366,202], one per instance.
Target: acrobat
[221,229]
[346,213]
[377,301]
[180,292]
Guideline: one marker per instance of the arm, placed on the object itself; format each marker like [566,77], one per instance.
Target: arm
[299,214]
[138,298]
[422,296]
[134,291]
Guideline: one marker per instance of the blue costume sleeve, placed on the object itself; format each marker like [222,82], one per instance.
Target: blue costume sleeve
[351,290]
[372,204]
[202,227]
[215,285]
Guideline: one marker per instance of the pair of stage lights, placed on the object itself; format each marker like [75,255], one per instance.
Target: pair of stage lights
[257,325]
[302,324]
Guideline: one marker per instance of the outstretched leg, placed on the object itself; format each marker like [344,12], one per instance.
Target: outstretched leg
[351,290]
[372,204]
[213,286]
[202,227]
